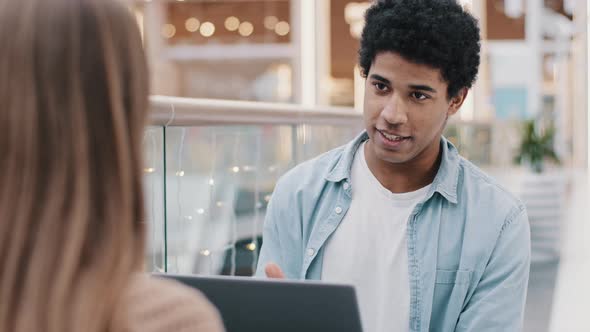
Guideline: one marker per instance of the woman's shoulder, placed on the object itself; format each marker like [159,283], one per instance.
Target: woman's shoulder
[156,304]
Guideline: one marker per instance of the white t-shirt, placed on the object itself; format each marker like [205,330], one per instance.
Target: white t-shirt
[369,250]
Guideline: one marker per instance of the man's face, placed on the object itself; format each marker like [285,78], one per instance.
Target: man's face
[406,109]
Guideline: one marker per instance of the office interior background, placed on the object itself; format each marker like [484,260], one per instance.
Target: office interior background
[243,90]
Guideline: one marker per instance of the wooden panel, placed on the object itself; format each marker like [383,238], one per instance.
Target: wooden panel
[344,48]
[501,27]
[216,12]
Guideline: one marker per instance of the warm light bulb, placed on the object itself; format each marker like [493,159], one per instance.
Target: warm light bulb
[207,29]
[246,29]
[192,24]
[168,31]
[270,22]
[232,23]
[282,28]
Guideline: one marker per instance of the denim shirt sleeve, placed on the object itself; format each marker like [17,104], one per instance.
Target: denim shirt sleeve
[498,301]
[281,233]
[270,250]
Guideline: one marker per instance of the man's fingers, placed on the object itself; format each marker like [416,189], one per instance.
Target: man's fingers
[272,270]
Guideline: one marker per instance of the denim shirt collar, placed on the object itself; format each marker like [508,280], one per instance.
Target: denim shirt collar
[445,181]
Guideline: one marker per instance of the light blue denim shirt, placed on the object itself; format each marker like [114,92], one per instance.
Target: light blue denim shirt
[468,240]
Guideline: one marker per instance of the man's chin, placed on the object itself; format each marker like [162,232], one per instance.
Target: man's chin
[392,157]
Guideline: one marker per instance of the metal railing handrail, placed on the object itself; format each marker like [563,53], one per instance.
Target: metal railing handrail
[177,111]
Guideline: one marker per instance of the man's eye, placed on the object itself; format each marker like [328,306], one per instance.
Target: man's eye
[419,96]
[380,86]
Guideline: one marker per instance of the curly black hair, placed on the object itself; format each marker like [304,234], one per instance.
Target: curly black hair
[437,33]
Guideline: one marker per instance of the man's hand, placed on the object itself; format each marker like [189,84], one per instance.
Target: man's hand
[272,270]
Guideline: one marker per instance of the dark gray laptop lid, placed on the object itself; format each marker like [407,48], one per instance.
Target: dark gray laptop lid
[264,305]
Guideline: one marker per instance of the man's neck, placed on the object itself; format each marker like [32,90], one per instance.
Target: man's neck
[404,177]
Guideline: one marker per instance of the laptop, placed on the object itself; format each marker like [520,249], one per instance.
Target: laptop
[270,305]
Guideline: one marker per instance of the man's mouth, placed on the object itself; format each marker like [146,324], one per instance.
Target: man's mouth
[394,138]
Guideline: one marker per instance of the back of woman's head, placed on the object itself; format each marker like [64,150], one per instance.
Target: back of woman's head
[73,100]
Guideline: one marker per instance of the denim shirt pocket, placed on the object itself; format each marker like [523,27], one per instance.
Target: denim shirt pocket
[453,277]
[450,290]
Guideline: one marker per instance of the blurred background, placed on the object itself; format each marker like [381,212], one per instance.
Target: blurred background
[244,90]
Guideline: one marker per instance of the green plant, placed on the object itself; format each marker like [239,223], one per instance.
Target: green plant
[536,146]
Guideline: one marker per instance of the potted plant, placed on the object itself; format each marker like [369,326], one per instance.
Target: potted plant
[542,192]
[536,146]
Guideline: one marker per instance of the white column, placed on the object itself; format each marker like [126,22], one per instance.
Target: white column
[580,101]
[563,95]
[533,32]
[587,83]
[296,43]
[479,107]
[303,14]
[153,19]
[586,23]
[164,74]
[322,52]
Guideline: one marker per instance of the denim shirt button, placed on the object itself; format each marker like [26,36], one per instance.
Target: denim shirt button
[338,210]
[345,186]
[310,252]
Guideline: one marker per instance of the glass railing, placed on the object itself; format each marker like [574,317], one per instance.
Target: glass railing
[211,167]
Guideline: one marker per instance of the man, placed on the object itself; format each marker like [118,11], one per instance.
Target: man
[430,242]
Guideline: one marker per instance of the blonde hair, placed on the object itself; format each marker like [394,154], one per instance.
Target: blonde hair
[73,101]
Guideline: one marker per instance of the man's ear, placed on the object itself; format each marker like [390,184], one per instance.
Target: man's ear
[457,101]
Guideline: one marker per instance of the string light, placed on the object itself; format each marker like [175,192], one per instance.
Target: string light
[211,182]
[192,24]
[149,170]
[232,23]
[270,22]
[180,173]
[168,31]
[282,28]
[251,246]
[513,8]
[354,13]
[200,211]
[207,29]
[246,29]
[205,252]
[235,169]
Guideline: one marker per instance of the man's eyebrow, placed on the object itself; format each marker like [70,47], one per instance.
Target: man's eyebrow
[380,78]
[422,87]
